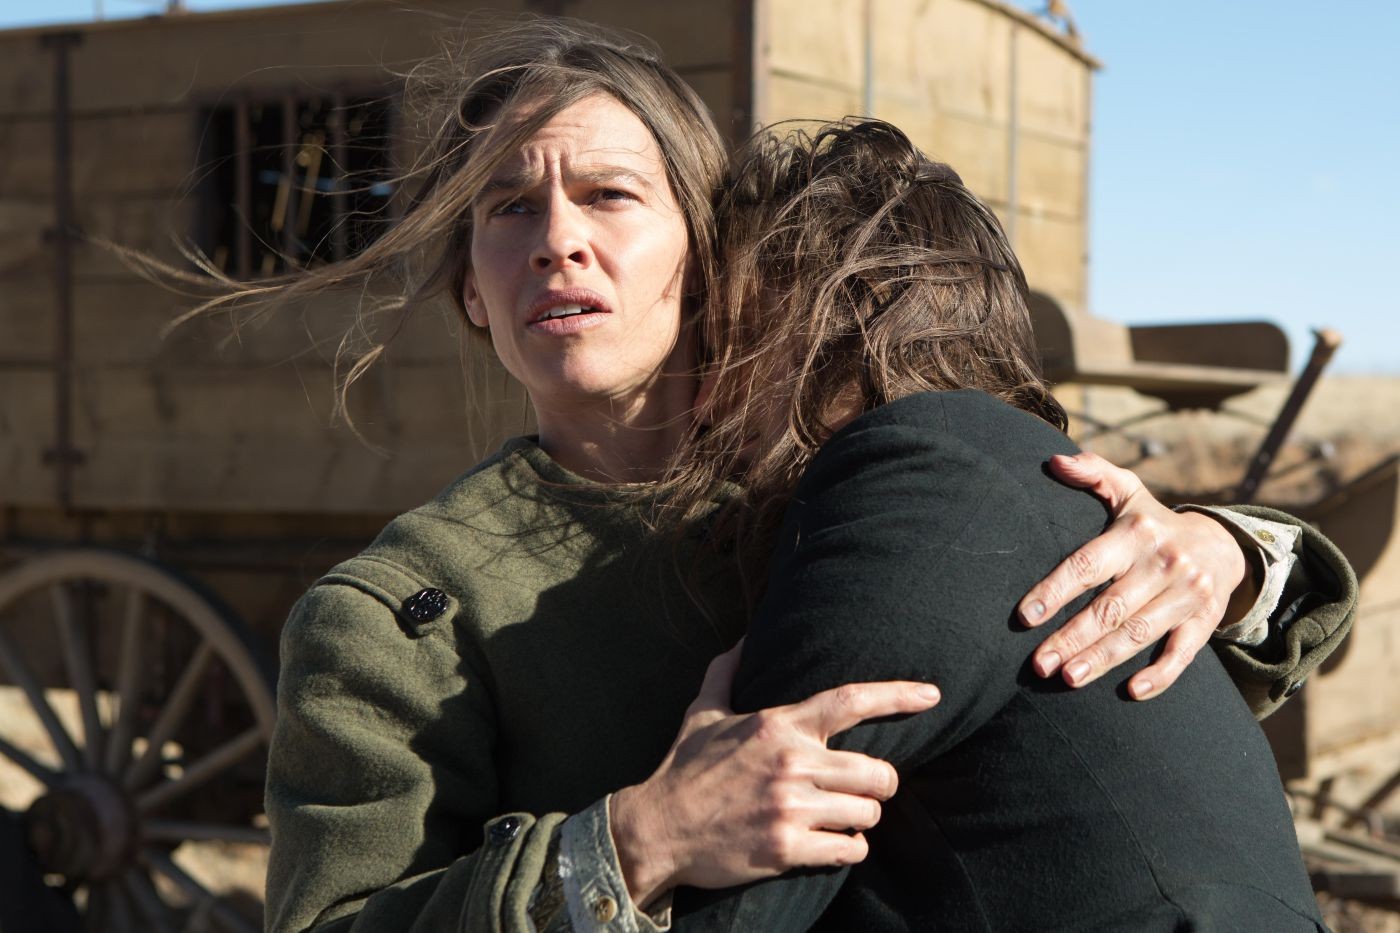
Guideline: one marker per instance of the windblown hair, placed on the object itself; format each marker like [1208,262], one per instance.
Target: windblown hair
[856,271]
[476,106]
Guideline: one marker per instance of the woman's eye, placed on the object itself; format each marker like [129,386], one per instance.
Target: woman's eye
[513,206]
[614,194]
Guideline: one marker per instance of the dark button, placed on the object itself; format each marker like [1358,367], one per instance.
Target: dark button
[425,605]
[1293,688]
[504,830]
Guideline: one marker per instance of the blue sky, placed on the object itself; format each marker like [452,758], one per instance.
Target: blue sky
[1246,161]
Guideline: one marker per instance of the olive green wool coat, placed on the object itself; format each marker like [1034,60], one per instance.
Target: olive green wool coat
[556,670]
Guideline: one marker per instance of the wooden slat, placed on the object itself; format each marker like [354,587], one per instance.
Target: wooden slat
[819,40]
[216,439]
[1051,91]
[190,57]
[951,56]
[141,153]
[26,430]
[800,99]
[1052,252]
[1051,177]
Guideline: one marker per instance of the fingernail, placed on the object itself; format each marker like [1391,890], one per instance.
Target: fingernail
[1048,663]
[1069,458]
[1077,671]
[1035,611]
[1140,689]
[928,692]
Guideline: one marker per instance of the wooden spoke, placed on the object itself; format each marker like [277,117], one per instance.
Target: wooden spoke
[181,830]
[186,688]
[116,915]
[227,917]
[138,888]
[21,676]
[128,684]
[77,657]
[221,758]
[40,773]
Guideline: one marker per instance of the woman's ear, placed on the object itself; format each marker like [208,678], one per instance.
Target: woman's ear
[471,301]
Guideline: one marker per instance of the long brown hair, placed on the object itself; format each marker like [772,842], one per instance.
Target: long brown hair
[856,271]
[475,104]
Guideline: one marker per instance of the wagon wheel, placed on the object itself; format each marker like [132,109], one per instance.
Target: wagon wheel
[172,710]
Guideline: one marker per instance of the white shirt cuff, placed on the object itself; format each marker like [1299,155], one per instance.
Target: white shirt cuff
[595,893]
[1273,543]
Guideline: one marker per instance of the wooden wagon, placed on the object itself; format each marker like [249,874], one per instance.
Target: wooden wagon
[163,501]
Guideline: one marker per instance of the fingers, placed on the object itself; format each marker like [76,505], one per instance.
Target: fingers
[1180,651]
[1113,484]
[857,774]
[1092,565]
[1117,616]
[1096,648]
[718,683]
[832,711]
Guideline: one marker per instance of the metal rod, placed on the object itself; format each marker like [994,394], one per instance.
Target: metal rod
[867,100]
[63,456]
[1013,130]
[243,187]
[1325,343]
[340,178]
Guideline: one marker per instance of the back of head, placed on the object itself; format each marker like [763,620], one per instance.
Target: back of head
[856,271]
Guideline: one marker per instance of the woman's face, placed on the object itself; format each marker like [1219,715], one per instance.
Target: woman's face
[578,260]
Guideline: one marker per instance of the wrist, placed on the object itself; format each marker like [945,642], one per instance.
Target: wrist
[648,866]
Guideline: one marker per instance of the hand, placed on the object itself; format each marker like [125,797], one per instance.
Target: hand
[743,797]
[1172,571]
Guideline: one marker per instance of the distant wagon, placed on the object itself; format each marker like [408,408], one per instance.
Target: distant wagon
[163,501]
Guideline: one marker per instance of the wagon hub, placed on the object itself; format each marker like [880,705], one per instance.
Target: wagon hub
[84,829]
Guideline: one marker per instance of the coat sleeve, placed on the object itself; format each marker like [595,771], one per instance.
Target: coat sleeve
[382,792]
[1311,620]
[902,556]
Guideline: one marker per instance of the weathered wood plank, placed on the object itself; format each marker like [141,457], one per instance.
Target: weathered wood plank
[820,40]
[792,98]
[215,440]
[952,56]
[1052,93]
[26,431]
[1052,252]
[151,154]
[194,56]
[1050,177]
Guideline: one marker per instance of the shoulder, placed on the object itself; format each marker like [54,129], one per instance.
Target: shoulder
[957,448]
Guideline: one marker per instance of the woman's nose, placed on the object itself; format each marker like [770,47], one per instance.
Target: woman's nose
[563,241]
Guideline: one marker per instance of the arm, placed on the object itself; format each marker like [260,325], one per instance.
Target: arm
[381,791]
[1182,576]
[901,556]
[383,796]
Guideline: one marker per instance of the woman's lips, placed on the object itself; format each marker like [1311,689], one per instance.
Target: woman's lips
[561,311]
[572,324]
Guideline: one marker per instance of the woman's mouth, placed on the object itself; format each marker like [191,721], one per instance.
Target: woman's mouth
[566,312]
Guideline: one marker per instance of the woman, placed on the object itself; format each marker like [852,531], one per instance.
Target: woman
[523,645]
[879,304]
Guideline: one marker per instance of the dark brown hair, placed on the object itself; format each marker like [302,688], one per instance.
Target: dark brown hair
[856,271]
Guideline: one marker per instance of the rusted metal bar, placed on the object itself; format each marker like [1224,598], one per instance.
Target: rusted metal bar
[289,167]
[339,177]
[1325,343]
[63,456]
[243,186]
